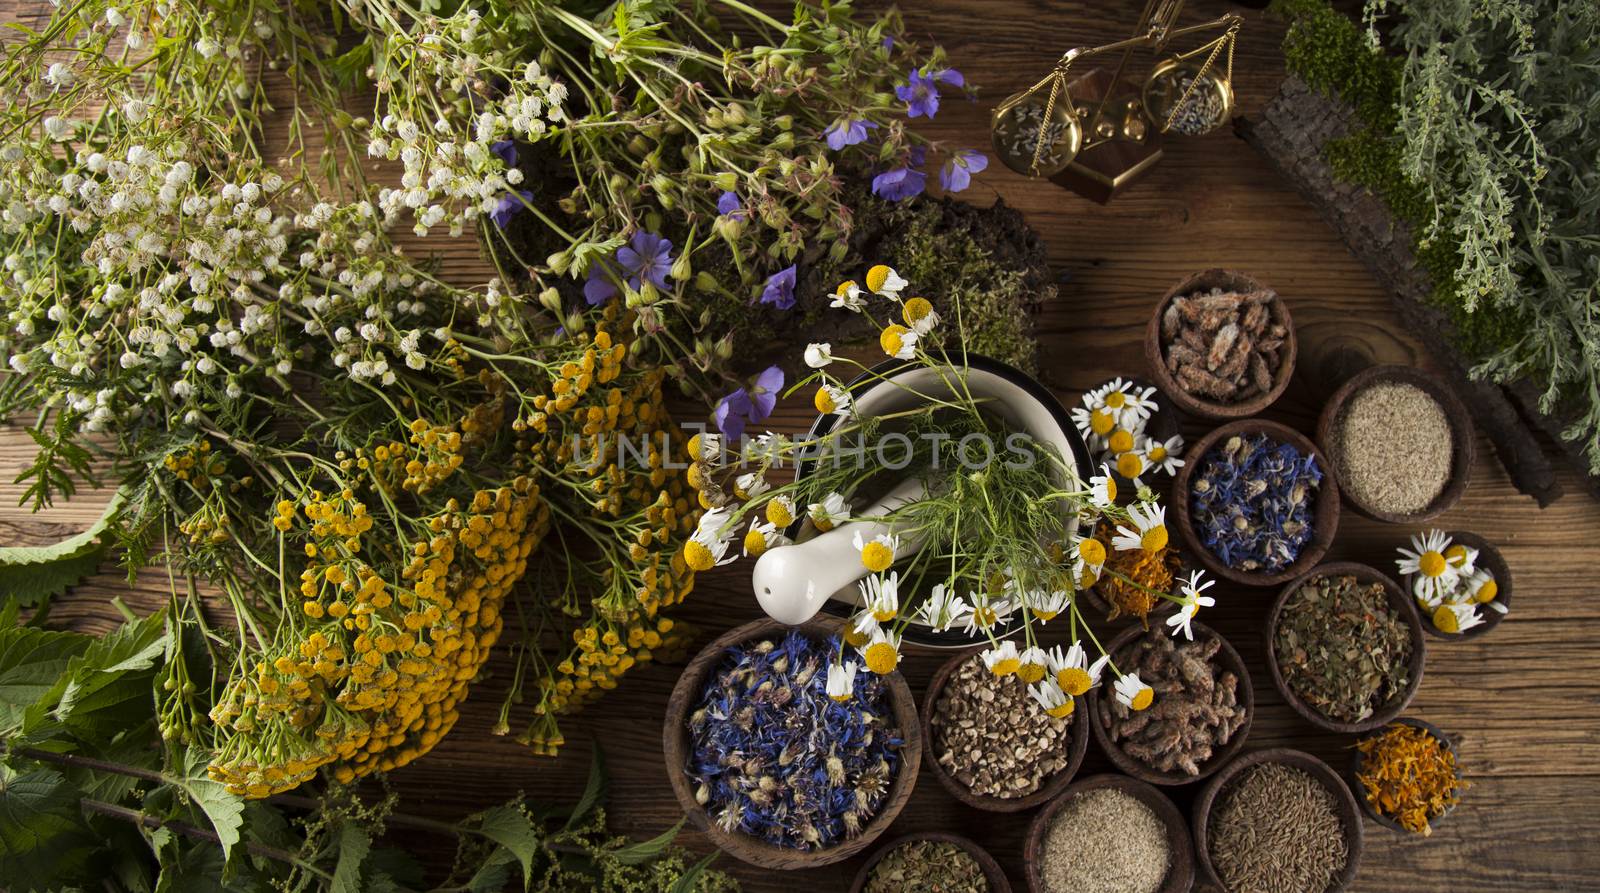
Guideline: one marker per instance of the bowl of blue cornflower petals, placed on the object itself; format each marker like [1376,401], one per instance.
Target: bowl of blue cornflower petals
[786,756]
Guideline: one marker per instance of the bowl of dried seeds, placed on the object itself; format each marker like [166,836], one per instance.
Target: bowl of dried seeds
[932,860]
[1345,647]
[800,780]
[1201,713]
[990,745]
[1109,834]
[1221,345]
[1280,820]
[1401,443]
[1256,502]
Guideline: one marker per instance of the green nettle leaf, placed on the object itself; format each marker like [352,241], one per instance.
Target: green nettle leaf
[493,875]
[75,546]
[30,584]
[511,828]
[43,838]
[31,663]
[645,851]
[224,810]
[104,689]
[594,791]
[354,844]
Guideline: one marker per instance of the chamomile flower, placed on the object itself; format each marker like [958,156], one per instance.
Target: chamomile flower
[1425,560]
[1133,693]
[750,485]
[1086,549]
[1094,422]
[1451,619]
[1102,489]
[1463,559]
[761,537]
[848,296]
[919,315]
[1047,605]
[942,608]
[883,280]
[1482,589]
[1085,574]
[1071,670]
[881,595]
[1052,699]
[877,553]
[898,341]
[829,512]
[1003,659]
[859,628]
[780,511]
[706,447]
[819,355]
[882,652]
[981,618]
[1120,441]
[1132,465]
[1164,454]
[832,399]
[1132,406]
[1033,664]
[705,549]
[1149,531]
[713,521]
[842,680]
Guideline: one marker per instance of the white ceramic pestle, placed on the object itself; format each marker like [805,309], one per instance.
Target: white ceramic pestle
[792,582]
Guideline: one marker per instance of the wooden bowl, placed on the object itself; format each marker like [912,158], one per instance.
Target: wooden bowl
[1078,744]
[1156,358]
[675,742]
[1180,870]
[1325,517]
[1228,659]
[991,869]
[1358,759]
[1461,437]
[1344,802]
[1398,599]
[1491,560]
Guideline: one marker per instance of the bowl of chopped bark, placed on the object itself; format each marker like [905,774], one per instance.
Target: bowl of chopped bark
[920,861]
[1345,647]
[1402,442]
[1221,345]
[1109,832]
[1201,714]
[992,746]
[1280,820]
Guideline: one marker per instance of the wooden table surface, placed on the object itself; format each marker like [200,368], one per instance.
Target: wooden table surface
[1524,701]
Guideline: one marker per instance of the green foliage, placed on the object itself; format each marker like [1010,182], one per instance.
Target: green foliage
[65,823]
[1480,131]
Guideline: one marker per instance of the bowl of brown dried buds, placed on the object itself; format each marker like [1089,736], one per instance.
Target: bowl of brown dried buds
[1221,345]
[1201,714]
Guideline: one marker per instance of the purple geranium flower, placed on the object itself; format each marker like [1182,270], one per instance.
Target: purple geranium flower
[646,258]
[508,206]
[950,76]
[921,94]
[846,132]
[752,404]
[728,203]
[599,288]
[779,291]
[507,150]
[957,172]
[902,182]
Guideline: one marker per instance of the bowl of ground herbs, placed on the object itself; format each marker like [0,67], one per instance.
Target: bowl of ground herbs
[990,745]
[1221,345]
[1345,647]
[1406,776]
[1278,820]
[1201,713]
[931,862]
[1109,834]
[1401,443]
[1256,502]
[773,769]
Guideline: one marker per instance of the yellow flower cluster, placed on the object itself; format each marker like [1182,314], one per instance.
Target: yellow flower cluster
[371,680]
[195,464]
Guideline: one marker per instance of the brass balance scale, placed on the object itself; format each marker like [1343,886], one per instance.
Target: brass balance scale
[1044,131]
